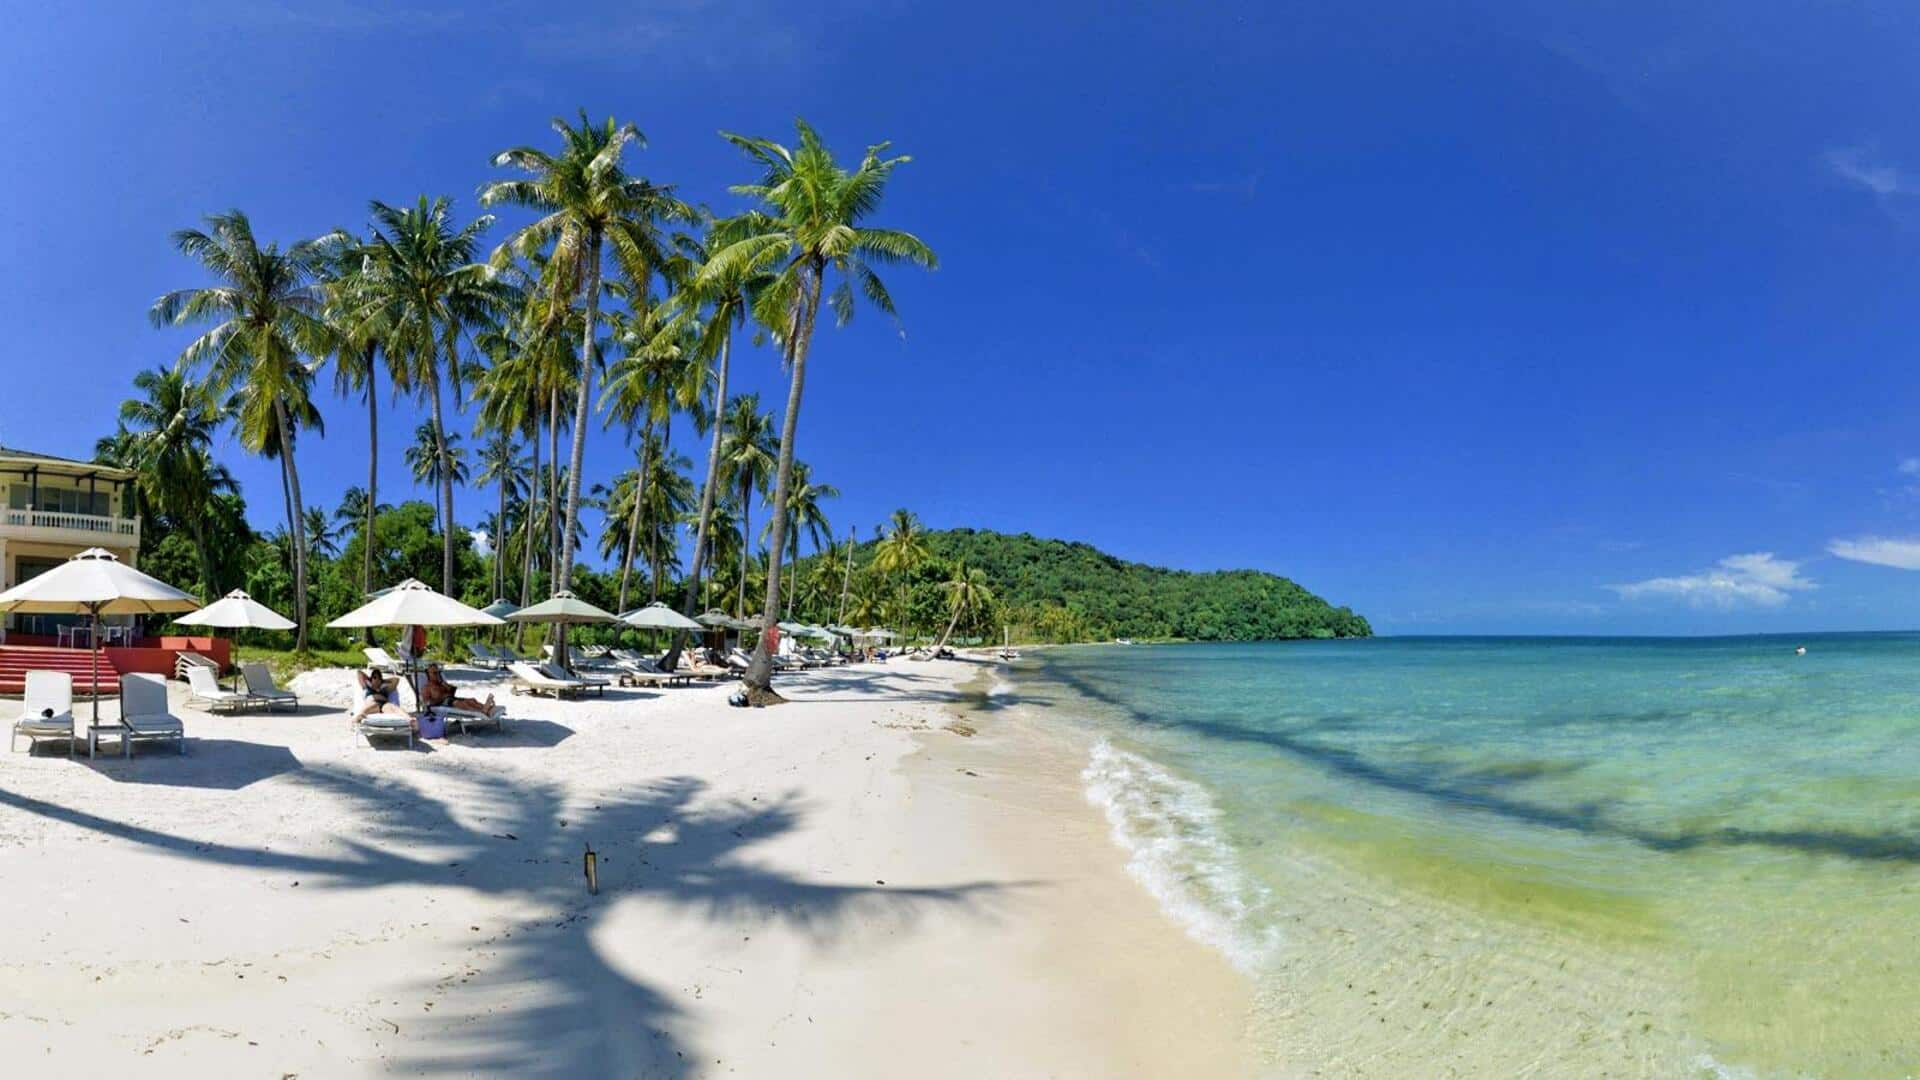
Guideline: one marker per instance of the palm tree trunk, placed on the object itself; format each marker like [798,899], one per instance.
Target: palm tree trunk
[552,505]
[500,535]
[633,518]
[701,541]
[759,675]
[948,632]
[446,482]
[746,547]
[713,477]
[581,403]
[299,527]
[846,579]
[533,505]
[373,485]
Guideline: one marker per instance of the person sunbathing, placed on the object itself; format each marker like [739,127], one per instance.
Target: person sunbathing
[438,692]
[377,694]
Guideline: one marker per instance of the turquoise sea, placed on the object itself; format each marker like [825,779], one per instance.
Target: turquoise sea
[1543,856]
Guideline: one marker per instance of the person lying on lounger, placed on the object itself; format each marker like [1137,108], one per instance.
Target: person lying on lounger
[438,691]
[377,693]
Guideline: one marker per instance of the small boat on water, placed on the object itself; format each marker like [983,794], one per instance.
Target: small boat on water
[1123,641]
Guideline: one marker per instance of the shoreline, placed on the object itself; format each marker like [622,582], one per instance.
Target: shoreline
[840,886]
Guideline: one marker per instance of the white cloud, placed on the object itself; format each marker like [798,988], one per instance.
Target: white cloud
[1910,466]
[1861,166]
[1879,551]
[482,543]
[1759,579]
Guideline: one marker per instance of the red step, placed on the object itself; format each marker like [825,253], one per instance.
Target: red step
[17,660]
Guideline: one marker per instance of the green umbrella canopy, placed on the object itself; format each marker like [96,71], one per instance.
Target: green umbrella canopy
[717,620]
[564,607]
[658,616]
[500,609]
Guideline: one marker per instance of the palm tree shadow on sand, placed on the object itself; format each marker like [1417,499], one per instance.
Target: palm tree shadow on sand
[538,998]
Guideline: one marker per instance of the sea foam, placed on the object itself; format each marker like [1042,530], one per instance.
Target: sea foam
[1171,829]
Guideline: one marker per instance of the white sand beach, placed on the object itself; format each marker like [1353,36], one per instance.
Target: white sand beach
[843,886]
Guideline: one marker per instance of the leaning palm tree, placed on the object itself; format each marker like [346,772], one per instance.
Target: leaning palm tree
[815,208]
[587,204]
[967,591]
[422,290]
[747,456]
[267,313]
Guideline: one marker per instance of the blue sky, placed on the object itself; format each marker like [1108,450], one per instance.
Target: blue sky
[1477,317]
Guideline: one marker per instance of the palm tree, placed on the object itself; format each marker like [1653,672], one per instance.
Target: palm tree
[323,537]
[747,456]
[815,207]
[422,290]
[511,392]
[657,378]
[717,300]
[356,367]
[502,466]
[166,436]
[438,461]
[804,513]
[967,590]
[266,313]
[587,204]
[667,499]
[902,551]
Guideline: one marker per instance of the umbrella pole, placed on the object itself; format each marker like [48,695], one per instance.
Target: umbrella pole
[94,640]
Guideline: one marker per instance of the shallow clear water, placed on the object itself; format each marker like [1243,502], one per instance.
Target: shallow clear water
[1636,855]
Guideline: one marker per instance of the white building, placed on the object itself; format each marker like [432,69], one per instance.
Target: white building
[51,509]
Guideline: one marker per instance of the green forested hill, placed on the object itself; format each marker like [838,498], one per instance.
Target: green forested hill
[1053,590]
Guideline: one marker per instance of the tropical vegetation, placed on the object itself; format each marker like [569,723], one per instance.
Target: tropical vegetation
[607,298]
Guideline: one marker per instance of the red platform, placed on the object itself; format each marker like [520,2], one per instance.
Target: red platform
[17,660]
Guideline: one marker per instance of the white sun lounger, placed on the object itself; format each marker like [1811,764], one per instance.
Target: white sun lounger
[46,710]
[482,656]
[260,684]
[202,689]
[383,660]
[143,707]
[386,725]
[594,682]
[528,679]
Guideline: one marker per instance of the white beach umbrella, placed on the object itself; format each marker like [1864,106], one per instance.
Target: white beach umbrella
[501,608]
[96,583]
[658,616]
[413,603]
[237,611]
[563,607]
[718,620]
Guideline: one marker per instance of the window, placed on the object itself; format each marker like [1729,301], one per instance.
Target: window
[58,500]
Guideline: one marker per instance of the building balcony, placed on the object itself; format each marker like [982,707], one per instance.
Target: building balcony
[57,528]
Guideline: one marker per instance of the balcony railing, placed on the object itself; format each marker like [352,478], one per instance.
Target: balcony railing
[86,523]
